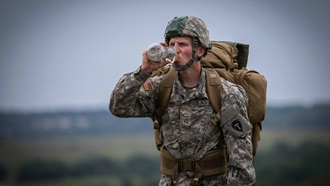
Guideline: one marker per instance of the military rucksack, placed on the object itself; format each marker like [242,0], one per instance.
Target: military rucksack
[227,60]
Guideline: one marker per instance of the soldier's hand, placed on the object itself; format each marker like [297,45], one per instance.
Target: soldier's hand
[149,66]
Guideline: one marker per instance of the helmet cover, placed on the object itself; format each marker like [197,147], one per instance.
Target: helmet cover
[188,26]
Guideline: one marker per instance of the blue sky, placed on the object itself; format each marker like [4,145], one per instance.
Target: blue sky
[70,54]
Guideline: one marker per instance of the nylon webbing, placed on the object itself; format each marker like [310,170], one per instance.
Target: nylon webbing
[212,163]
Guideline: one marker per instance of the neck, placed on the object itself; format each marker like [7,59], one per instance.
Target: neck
[190,77]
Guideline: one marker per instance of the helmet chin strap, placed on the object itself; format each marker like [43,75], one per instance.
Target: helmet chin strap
[187,65]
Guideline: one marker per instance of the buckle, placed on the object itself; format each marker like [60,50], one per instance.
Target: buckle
[186,166]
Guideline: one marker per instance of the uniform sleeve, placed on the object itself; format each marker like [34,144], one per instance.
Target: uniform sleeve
[129,99]
[237,134]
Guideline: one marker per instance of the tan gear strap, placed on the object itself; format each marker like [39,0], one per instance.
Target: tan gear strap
[212,163]
[165,90]
[213,84]
[156,132]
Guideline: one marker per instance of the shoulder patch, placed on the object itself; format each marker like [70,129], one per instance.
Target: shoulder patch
[234,122]
[148,85]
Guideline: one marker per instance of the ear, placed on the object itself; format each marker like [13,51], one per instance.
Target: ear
[200,51]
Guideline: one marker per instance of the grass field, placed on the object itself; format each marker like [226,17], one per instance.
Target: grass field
[119,147]
[269,138]
[70,149]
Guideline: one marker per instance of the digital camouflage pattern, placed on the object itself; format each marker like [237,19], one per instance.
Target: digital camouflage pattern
[188,26]
[186,131]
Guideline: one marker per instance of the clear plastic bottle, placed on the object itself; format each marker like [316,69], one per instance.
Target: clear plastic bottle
[157,52]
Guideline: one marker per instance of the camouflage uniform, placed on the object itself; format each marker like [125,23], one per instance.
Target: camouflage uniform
[186,131]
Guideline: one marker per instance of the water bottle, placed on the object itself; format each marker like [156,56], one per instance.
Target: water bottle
[157,52]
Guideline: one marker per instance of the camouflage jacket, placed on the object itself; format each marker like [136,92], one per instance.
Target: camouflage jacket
[186,131]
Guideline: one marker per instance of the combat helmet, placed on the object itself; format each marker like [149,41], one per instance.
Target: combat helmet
[188,26]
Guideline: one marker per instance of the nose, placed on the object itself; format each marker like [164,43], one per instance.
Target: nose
[176,47]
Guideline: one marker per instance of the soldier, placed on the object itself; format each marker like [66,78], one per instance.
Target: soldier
[195,150]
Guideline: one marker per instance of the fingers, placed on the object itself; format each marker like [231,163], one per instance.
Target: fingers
[163,43]
[154,65]
[149,66]
[164,62]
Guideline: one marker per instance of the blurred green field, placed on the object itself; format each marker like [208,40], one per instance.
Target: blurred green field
[270,138]
[74,149]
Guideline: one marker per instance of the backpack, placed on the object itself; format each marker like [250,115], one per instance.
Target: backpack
[227,60]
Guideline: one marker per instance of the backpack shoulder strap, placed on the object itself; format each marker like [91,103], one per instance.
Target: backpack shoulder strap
[165,90]
[213,88]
